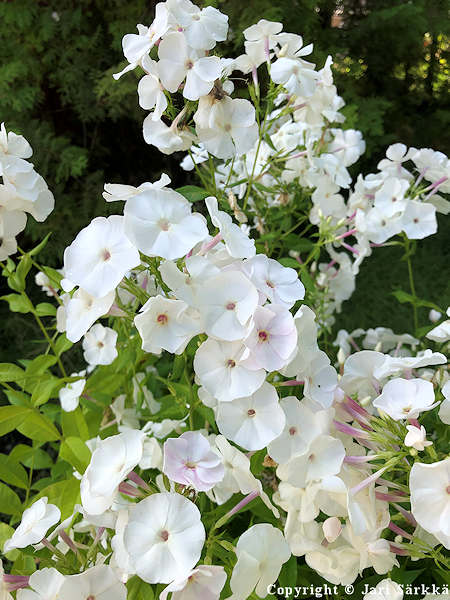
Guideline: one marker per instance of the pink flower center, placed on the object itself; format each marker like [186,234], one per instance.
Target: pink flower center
[162,319]
[251,412]
[292,430]
[230,306]
[263,336]
[231,363]
[106,255]
[448,489]
[164,535]
[270,284]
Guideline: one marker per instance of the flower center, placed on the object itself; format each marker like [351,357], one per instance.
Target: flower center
[162,319]
[292,430]
[230,306]
[263,336]
[164,225]
[106,255]
[270,284]
[406,410]
[416,220]
[189,65]
[231,363]
[164,535]
[447,489]
[227,127]
[251,412]
[100,344]
[190,465]
[90,597]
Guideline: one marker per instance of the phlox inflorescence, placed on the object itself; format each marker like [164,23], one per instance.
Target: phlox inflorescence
[227,396]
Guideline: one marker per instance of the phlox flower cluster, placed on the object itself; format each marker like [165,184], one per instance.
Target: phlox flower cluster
[22,190]
[206,386]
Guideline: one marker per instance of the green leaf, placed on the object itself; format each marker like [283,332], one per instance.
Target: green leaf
[6,532]
[404,297]
[62,344]
[74,424]
[192,193]
[138,589]
[22,271]
[40,246]
[9,501]
[18,398]
[44,390]
[18,303]
[65,494]
[45,309]
[12,472]
[40,364]
[38,427]
[31,457]
[103,382]
[11,372]
[76,453]
[11,417]
[288,575]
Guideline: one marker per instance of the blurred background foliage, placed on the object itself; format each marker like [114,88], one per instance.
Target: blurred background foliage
[391,60]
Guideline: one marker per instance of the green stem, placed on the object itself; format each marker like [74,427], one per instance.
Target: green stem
[49,341]
[411,284]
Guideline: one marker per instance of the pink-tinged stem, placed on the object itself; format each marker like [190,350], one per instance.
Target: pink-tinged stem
[298,259]
[354,344]
[376,385]
[434,186]
[98,535]
[330,264]
[390,497]
[361,420]
[349,430]
[373,245]
[267,48]
[399,551]
[370,196]
[49,545]
[66,539]
[292,382]
[350,248]
[207,247]
[255,77]
[129,490]
[242,503]
[367,444]
[415,423]
[299,106]
[396,529]
[397,348]
[346,234]
[22,579]
[421,174]
[408,515]
[299,154]
[387,483]
[357,407]
[367,481]
[138,480]
[352,216]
